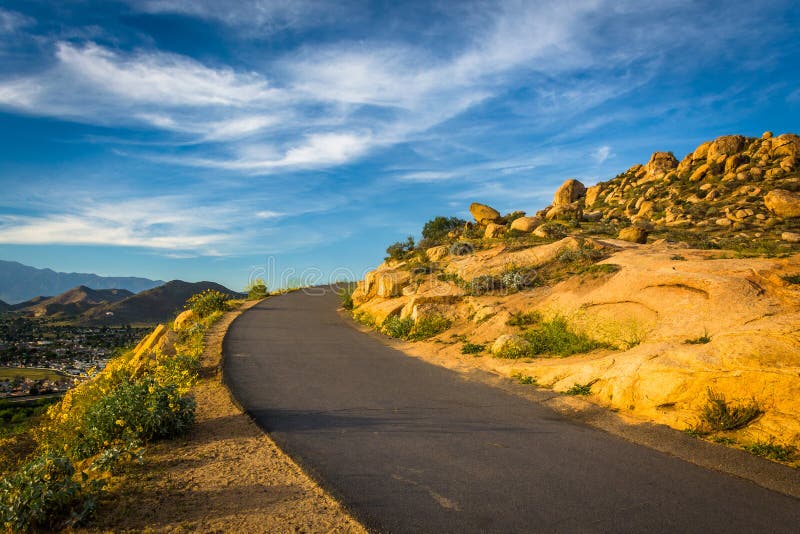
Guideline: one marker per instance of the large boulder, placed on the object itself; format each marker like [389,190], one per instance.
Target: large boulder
[699,173]
[791,237]
[634,234]
[391,283]
[437,253]
[184,319]
[783,203]
[493,230]
[525,224]
[149,343]
[483,213]
[701,152]
[659,165]
[726,145]
[591,194]
[569,192]
[786,145]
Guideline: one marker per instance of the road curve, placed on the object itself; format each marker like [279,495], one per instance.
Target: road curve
[412,447]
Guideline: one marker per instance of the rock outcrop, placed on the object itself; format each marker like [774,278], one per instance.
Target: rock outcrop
[525,224]
[484,214]
[707,298]
[634,234]
[569,192]
[783,203]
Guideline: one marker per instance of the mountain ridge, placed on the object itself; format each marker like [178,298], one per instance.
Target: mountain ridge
[156,305]
[106,307]
[72,302]
[20,282]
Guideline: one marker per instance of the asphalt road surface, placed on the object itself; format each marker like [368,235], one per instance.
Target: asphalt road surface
[412,447]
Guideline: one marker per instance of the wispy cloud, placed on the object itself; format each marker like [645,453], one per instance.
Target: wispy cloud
[267,16]
[601,154]
[11,21]
[328,104]
[152,223]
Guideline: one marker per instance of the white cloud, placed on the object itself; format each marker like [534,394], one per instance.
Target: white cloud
[268,214]
[158,223]
[318,150]
[159,78]
[601,154]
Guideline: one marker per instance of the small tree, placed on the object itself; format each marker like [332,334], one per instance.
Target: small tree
[257,289]
[436,229]
[401,249]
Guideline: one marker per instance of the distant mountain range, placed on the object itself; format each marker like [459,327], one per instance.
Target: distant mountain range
[83,305]
[20,282]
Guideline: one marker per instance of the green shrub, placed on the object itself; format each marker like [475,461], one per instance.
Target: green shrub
[208,302]
[717,414]
[555,337]
[524,318]
[396,327]
[514,348]
[400,250]
[436,230]
[525,379]
[346,296]
[134,412]
[554,230]
[701,340]
[43,495]
[511,280]
[472,348]
[792,278]
[429,326]
[772,451]
[580,389]
[462,248]
[583,254]
[364,318]
[257,290]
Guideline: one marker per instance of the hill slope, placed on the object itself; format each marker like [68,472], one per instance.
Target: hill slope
[665,292]
[73,302]
[20,282]
[155,305]
[4,306]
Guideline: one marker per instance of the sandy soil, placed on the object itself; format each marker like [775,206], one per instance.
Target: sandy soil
[225,476]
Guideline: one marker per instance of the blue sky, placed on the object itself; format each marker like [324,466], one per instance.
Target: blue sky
[196,139]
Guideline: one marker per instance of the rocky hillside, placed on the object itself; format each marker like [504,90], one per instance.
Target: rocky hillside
[670,292]
[733,185]
[733,192]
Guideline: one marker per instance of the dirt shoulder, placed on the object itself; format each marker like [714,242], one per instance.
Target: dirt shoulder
[224,476]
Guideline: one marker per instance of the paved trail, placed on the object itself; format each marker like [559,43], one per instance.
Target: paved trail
[411,447]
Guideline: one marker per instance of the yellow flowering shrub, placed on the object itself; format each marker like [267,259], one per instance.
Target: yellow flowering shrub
[140,396]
